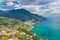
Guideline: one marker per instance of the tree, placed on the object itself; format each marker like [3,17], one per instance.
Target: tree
[4,37]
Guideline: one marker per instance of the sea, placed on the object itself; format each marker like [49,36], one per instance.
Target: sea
[49,28]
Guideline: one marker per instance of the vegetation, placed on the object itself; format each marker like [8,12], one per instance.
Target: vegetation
[11,28]
[12,22]
[22,14]
[20,34]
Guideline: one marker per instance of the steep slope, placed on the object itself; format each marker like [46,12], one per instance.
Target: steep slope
[12,28]
[22,14]
[13,23]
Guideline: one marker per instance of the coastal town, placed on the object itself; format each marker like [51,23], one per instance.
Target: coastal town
[15,35]
[12,29]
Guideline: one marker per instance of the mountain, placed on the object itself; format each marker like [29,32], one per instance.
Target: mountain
[22,14]
[13,28]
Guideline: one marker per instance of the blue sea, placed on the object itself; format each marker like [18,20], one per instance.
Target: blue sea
[49,28]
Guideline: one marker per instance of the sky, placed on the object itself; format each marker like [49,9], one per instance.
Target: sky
[40,7]
[32,2]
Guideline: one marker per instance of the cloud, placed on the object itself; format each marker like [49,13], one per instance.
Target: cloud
[10,0]
[0,0]
[31,2]
[35,9]
[18,6]
[45,10]
[42,2]
[55,7]
[10,3]
[50,8]
[36,2]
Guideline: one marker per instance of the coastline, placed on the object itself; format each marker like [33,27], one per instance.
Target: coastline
[33,26]
[31,23]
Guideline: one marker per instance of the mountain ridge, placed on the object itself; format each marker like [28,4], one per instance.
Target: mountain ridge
[22,14]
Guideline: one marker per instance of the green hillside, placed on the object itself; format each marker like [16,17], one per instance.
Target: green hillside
[13,23]
[11,28]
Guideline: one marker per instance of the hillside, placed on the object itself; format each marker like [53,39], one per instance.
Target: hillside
[11,28]
[12,22]
[22,14]
[17,34]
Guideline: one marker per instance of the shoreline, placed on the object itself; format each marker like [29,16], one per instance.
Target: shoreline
[31,23]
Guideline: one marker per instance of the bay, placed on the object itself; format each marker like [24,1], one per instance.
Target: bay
[49,28]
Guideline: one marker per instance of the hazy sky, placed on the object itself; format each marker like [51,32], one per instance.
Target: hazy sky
[32,2]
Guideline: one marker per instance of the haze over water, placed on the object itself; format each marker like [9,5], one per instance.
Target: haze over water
[49,29]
